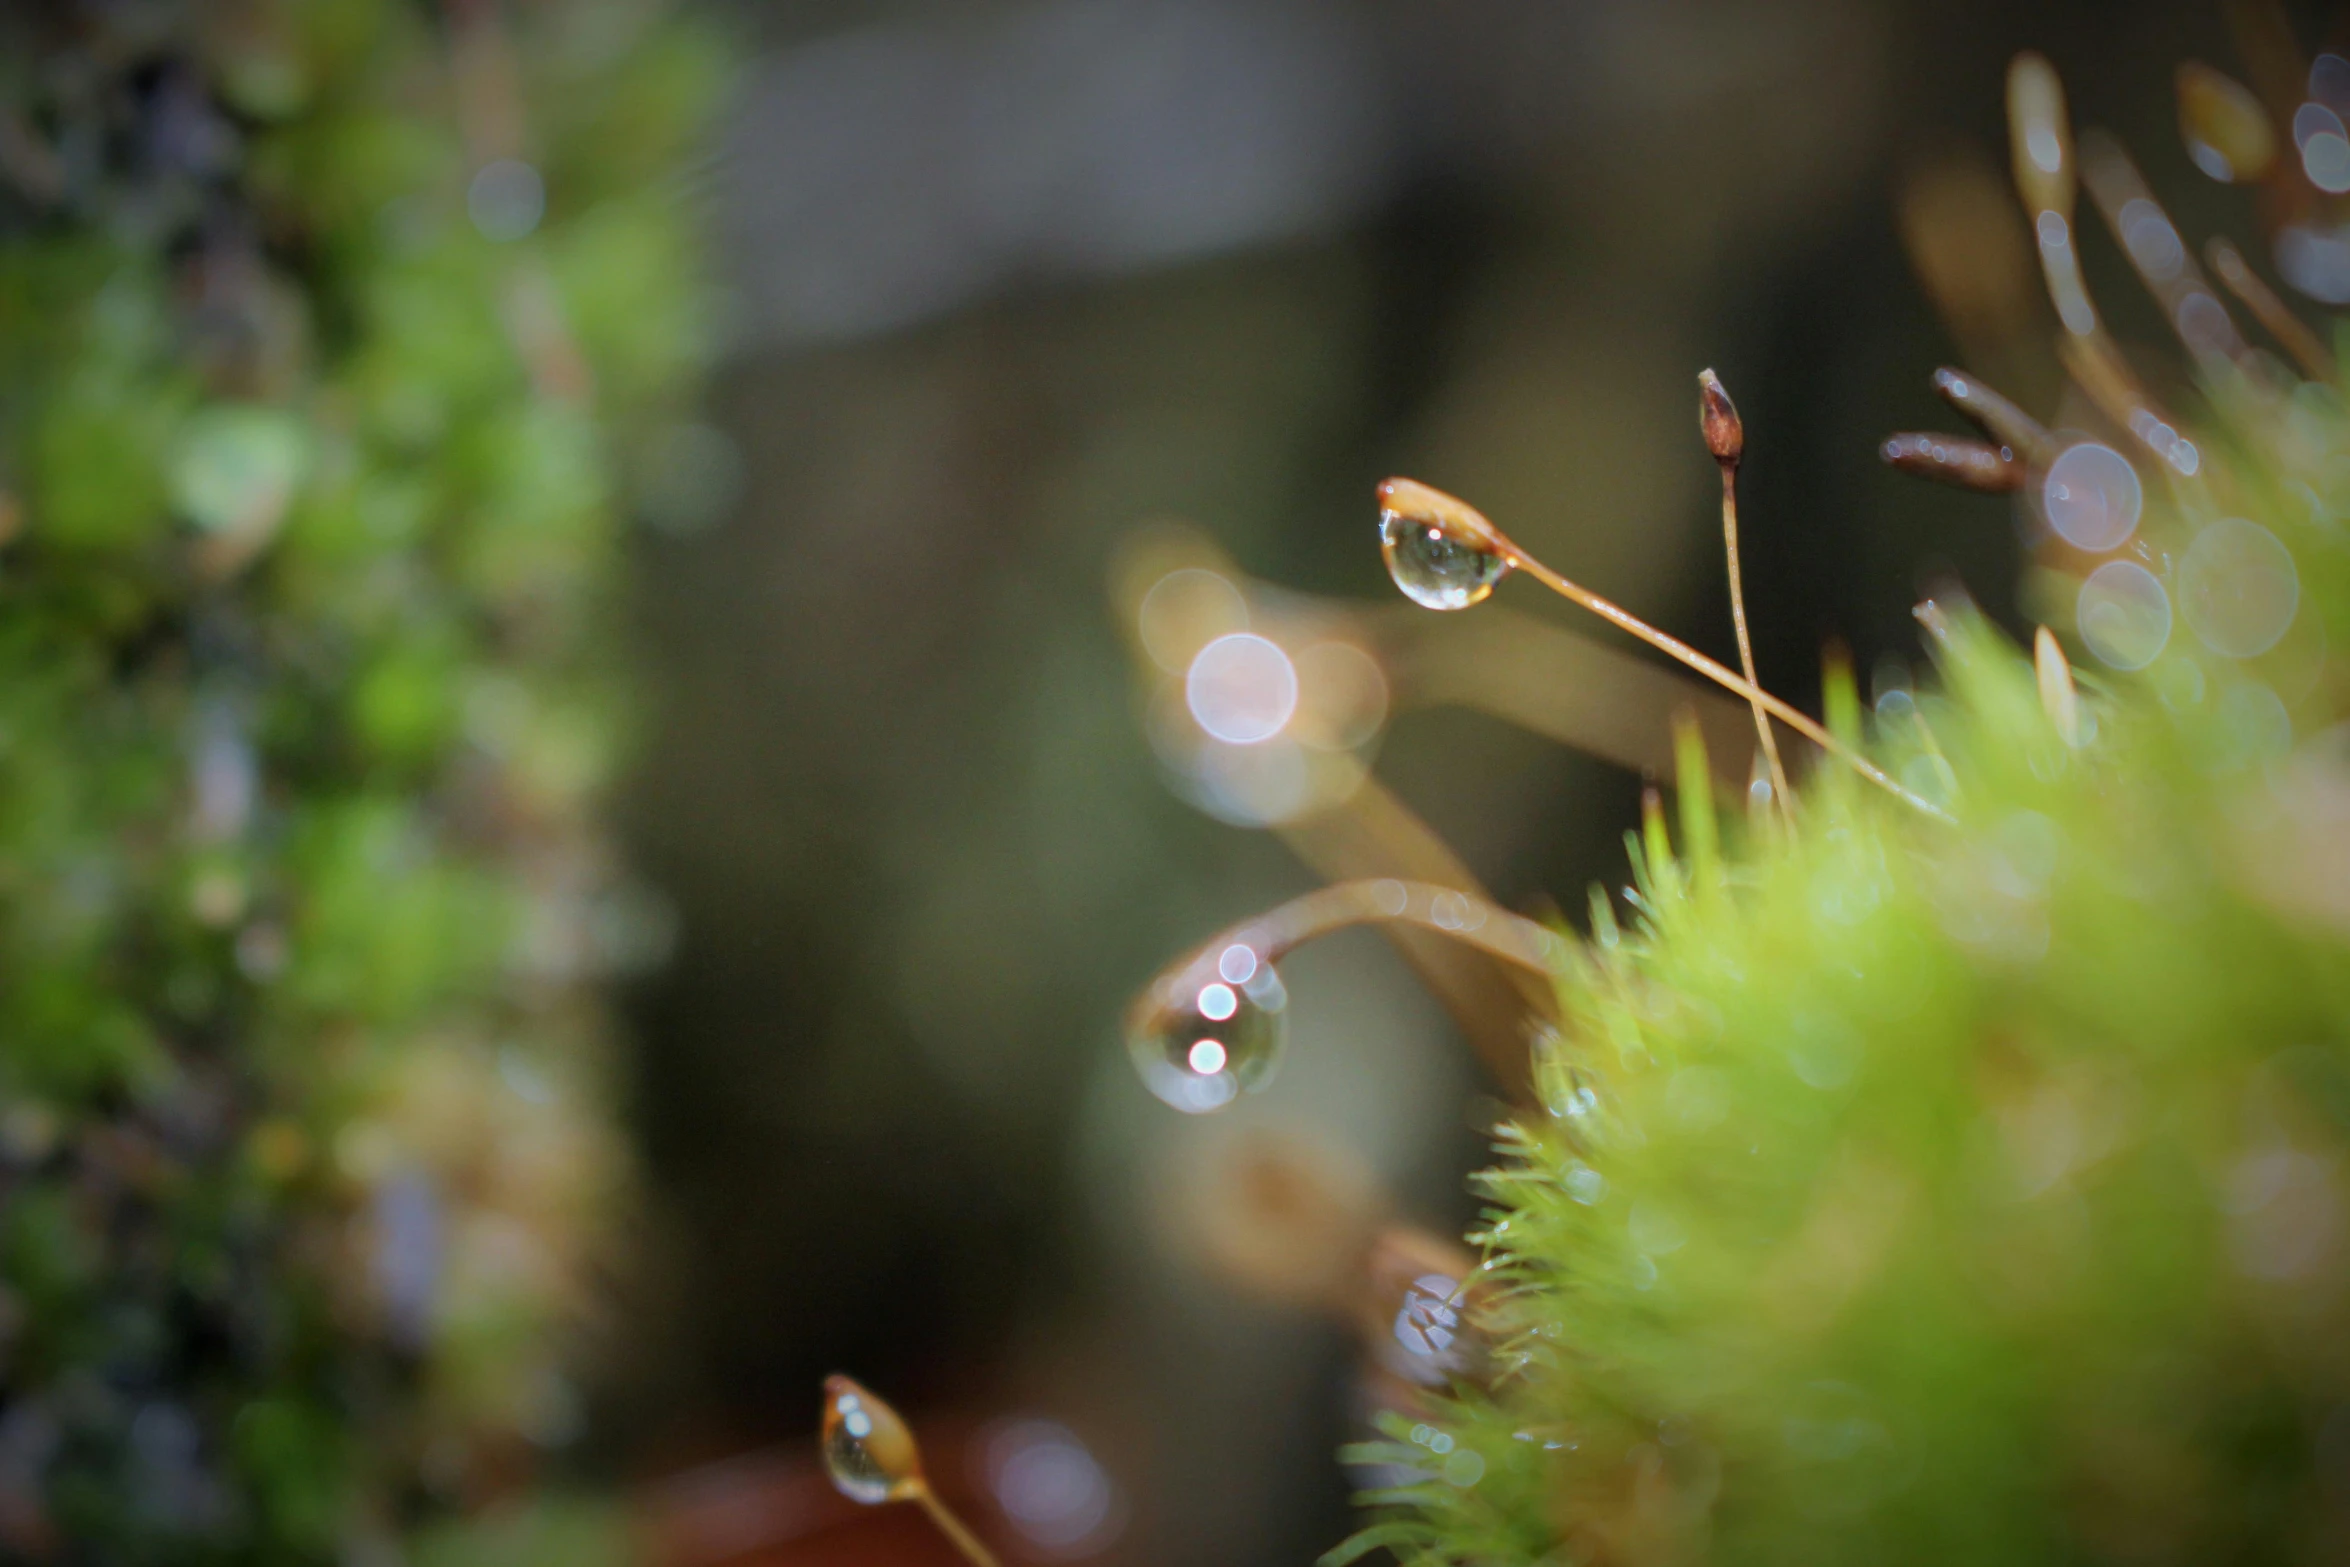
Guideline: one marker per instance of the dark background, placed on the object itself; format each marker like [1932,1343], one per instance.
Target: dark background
[1011,279]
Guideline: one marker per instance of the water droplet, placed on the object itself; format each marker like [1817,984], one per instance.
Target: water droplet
[1586,1185]
[868,1451]
[1429,1320]
[2124,614]
[2238,588]
[1954,459]
[1224,1039]
[1438,567]
[2092,497]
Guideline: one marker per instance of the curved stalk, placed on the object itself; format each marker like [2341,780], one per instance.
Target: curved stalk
[956,1531]
[1448,911]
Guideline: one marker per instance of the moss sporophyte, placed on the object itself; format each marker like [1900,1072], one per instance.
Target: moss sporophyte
[1944,1153]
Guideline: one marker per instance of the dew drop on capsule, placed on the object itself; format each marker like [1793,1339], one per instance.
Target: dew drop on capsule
[1436,567]
[1224,1039]
[868,1451]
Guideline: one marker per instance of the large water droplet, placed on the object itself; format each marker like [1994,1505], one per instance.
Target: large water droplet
[1218,1038]
[868,1451]
[1437,567]
[2124,614]
[2092,497]
[2238,588]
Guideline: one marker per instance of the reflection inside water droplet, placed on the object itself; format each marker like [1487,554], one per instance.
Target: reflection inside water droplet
[1224,1041]
[2238,588]
[867,1451]
[2124,614]
[1435,567]
[1429,1321]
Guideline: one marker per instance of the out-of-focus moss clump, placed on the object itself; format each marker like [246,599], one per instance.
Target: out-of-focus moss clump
[335,337]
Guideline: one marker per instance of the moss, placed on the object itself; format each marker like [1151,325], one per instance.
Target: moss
[311,511]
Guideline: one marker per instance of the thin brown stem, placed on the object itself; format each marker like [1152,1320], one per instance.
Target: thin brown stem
[2316,361]
[1793,718]
[1410,498]
[1448,911]
[954,1528]
[1762,719]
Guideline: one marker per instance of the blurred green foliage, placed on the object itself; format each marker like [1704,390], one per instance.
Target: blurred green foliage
[334,337]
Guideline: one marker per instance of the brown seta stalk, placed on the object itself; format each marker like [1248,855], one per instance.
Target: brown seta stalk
[1725,437]
[1463,523]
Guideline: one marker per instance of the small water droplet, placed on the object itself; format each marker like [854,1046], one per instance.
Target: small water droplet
[1220,1041]
[868,1451]
[1585,1184]
[1438,567]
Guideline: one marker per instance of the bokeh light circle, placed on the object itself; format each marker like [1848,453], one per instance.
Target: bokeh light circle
[2124,614]
[1241,688]
[2092,497]
[2238,588]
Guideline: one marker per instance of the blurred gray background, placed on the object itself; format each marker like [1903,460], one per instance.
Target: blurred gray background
[1010,279]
